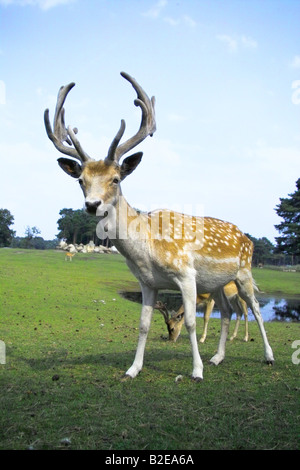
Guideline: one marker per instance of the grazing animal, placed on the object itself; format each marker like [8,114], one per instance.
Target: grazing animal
[164,249]
[174,320]
[69,256]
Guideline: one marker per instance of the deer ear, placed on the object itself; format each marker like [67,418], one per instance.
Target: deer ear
[71,167]
[130,163]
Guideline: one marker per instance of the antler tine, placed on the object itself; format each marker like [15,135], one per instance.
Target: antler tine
[162,308]
[115,142]
[147,126]
[60,133]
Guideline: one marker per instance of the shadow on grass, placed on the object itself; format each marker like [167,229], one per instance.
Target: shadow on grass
[161,362]
[116,359]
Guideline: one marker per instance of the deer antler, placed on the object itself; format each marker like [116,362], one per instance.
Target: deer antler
[60,133]
[162,308]
[147,127]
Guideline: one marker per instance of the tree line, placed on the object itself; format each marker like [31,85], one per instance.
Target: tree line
[76,226]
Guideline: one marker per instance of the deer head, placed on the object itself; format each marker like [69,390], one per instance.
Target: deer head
[174,320]
[100,179]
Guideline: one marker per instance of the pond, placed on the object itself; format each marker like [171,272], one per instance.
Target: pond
[273,307]
[278,308]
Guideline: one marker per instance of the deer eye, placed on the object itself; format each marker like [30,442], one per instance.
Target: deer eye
[116,180]
[80,181]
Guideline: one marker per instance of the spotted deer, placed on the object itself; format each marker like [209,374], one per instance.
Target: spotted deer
[164,249]
[174,320]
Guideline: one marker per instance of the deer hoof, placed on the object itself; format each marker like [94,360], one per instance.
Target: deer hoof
[270,363]
[126,378]
[197,379]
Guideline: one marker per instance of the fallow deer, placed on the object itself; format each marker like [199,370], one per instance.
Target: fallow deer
[163,249]
[69,256]
[174,320]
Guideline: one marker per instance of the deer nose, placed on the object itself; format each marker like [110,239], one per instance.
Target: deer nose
[92,206]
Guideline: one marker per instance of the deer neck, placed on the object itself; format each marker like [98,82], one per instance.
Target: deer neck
[129,223]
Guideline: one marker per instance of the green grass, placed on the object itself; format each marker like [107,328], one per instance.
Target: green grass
[272,281]
[70,337]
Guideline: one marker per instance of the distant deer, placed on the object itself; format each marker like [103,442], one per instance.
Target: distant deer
[69,256]
[174,320]
[164,249]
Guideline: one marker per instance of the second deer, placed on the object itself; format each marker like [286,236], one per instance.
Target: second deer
[175,320]
[69,256]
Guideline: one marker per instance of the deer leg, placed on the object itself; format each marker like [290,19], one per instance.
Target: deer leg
[246,337]
[244,284]
[240,307]
[207,314]
[244,310]
[236,328]
[149,298]
[188,291]
[226,312]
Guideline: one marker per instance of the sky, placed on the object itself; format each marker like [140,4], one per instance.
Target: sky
[226,77]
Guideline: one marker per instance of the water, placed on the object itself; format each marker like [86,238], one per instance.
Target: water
[273,307]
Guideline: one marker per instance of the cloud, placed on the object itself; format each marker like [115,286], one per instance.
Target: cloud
[248,42]
[171,21]
[234,43]
[189,21]
[295,63]
[155,12]
[156,9]
[43,4]
[228,41]
[185,20]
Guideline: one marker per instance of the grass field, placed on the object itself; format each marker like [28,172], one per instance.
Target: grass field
[69,338]
[277,282]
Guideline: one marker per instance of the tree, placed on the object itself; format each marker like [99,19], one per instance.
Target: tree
[289,210]
[31,233]
[263,251]
[77,226]
[38,243]
[6,234]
